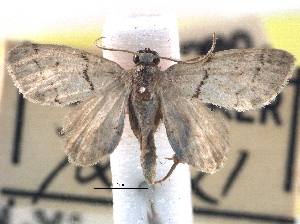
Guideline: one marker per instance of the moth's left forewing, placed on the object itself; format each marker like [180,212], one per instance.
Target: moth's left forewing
[58,75]
[239,79]
[197,136]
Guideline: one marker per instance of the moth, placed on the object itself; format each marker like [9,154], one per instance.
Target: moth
[238,79]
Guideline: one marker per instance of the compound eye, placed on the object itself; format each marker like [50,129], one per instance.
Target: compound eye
[156,61]
[136,59]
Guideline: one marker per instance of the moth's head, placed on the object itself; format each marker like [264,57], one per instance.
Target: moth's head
[146,57]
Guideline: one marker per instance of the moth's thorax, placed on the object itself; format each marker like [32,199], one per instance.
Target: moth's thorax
[147,57]
[144,79]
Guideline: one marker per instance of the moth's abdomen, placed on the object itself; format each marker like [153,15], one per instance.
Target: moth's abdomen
[144,119]
[148,163]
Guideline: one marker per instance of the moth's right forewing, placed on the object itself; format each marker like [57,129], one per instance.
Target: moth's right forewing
[239,79]
[95,128]
[58,75]
[197,136]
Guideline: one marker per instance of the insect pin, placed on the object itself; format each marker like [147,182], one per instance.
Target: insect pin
[239,79]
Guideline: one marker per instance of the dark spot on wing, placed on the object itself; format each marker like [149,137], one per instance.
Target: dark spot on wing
[198,91]
[35,48]
[57,100]
[35,61]
[38,65]
[85,70]
[256,101]
[56,97]
[39,95]
[261,59]
[84,56]
[87,78]
[208,60]
[256,73]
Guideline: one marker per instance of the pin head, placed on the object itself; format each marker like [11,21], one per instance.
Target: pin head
[146,57]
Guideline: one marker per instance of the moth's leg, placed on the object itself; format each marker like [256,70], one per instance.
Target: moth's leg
[176,161]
